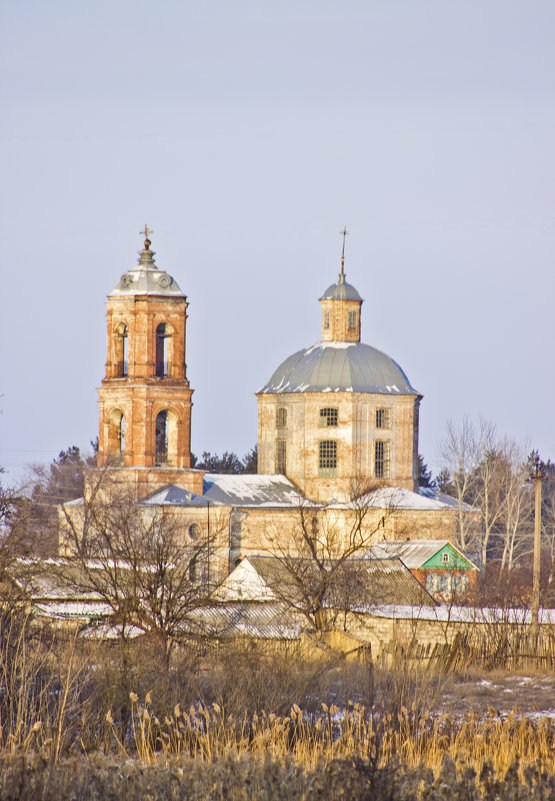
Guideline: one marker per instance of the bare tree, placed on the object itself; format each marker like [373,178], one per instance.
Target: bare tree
[138,560]
[460,453]
[516,522]
[314,570]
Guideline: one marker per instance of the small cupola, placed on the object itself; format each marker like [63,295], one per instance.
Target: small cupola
[341,308]
[146,278]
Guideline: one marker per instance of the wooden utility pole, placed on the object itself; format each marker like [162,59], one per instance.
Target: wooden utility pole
[537,550]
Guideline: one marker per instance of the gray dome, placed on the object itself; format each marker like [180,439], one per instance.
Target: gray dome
[339,367]
[146,278]
[341,291]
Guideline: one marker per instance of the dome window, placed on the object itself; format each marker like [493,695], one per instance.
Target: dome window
[383,418]
[327,457]
[326,319]
[352,320]
[328,417]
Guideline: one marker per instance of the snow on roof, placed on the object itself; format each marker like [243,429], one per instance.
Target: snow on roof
[172,495]
[276,491]
[246,490]
[435,494]
[413,553]
[396,498]
[261,578]
[458,614]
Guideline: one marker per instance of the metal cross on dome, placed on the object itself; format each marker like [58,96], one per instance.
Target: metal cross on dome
[343,233]
[147,232]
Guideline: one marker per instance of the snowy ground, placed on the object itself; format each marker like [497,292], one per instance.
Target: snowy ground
[528,694]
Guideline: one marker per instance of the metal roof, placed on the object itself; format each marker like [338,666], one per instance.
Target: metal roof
[277,492]
[341,291]
[368,580]
[339,367]
[252,491]
[171,495]
[146,279]
[413,553]
[262,620]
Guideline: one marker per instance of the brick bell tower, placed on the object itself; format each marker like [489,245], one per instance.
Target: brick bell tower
[145,397]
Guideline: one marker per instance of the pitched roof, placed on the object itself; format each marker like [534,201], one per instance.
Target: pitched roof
[413,553]
[365,582]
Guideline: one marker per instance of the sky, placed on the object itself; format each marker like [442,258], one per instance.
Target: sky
[246,135]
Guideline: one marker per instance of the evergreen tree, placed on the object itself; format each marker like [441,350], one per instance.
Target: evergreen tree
[424,475]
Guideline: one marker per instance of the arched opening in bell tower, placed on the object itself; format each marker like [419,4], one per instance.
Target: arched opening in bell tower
[122,350]
[116,436]
[163,334]
[166,438]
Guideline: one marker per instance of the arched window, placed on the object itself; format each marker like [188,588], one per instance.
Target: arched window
[162,437]
[162,341]
[116,435]
[121,435]
[166,437]
[125,350]
[122,350]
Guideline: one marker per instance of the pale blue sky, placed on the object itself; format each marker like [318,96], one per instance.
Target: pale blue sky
[247,135]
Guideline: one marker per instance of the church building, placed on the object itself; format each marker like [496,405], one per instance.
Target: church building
[337,421]
[339,416]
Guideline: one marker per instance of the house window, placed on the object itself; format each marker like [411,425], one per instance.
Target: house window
[328,417]
[326,319]
[461,582]
[382,450]
[445,558]
[327,457]
[383,418]
[352,320]
[281,456]
[281,417]
[439,583]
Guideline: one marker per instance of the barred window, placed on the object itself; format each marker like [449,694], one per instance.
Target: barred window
[382,451]
[327,457]
[281,456]
[328,417]
[281,417]
[383,418]
[326,319]
[352,320]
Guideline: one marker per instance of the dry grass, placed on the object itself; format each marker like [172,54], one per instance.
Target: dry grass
[410,738]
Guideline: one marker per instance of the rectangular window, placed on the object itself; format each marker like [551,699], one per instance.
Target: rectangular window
[327,457]
[383,418]
[281,456]
[382,451]
[352,320]
[328,417]
[445,557]
[326,319]
[281,417]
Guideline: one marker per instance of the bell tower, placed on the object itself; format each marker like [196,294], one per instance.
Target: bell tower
[145,397]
